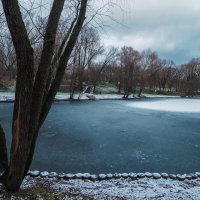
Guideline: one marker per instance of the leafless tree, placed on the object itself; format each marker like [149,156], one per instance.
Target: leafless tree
[108,60]
[7,59]
[190,77]
[35,92]
[87,49]
[164,74]
[130,59]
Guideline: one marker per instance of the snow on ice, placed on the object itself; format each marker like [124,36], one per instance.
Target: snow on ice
[173,105]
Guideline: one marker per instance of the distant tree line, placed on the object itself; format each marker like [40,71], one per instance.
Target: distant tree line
[90,64]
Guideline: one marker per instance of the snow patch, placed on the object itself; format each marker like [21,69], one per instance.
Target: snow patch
[7,96]
[173,105]
[137,189]
[144,188]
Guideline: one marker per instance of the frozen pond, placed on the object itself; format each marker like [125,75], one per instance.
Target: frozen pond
[118,136]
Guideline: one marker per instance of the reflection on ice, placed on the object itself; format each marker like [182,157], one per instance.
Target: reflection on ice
[173,105]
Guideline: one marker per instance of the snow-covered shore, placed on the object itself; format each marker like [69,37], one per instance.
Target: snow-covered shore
[134,189]
[10,96]
[144,188]
[7,96]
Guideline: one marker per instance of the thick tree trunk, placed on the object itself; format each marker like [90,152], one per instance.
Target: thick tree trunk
[58,78]
[31,153]
[32,101]
[21,138]
[3,151]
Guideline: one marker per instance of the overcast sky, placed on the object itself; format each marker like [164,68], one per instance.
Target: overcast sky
[170,27]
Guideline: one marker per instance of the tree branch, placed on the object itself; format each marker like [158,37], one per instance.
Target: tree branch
[63,61]
[45,61]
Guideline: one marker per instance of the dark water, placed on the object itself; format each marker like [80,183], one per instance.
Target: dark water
[109,136]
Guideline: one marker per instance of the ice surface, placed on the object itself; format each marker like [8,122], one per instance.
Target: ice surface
[173,105]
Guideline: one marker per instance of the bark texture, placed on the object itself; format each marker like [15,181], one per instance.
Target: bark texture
[3,151]
[34,95]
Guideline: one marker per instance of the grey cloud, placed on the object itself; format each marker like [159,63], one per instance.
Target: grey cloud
[171,28]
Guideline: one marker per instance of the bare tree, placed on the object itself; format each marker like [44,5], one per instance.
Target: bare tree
[145,64]
[190,78]
[108,60]
[153,70]
[173,81]
[130,59]
[7,59]
[164,74]
[87,48]
[35,92]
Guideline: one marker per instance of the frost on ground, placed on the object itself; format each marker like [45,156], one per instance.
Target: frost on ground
[132,189]
[145,188]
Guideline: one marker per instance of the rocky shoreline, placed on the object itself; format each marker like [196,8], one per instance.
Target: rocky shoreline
[100,177]
[125,186]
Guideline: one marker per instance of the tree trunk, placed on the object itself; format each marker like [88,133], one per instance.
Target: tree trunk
[119,88]
[57,80]
[94,87]
[140,91]
[21,139]
[32,101]
[3,151]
